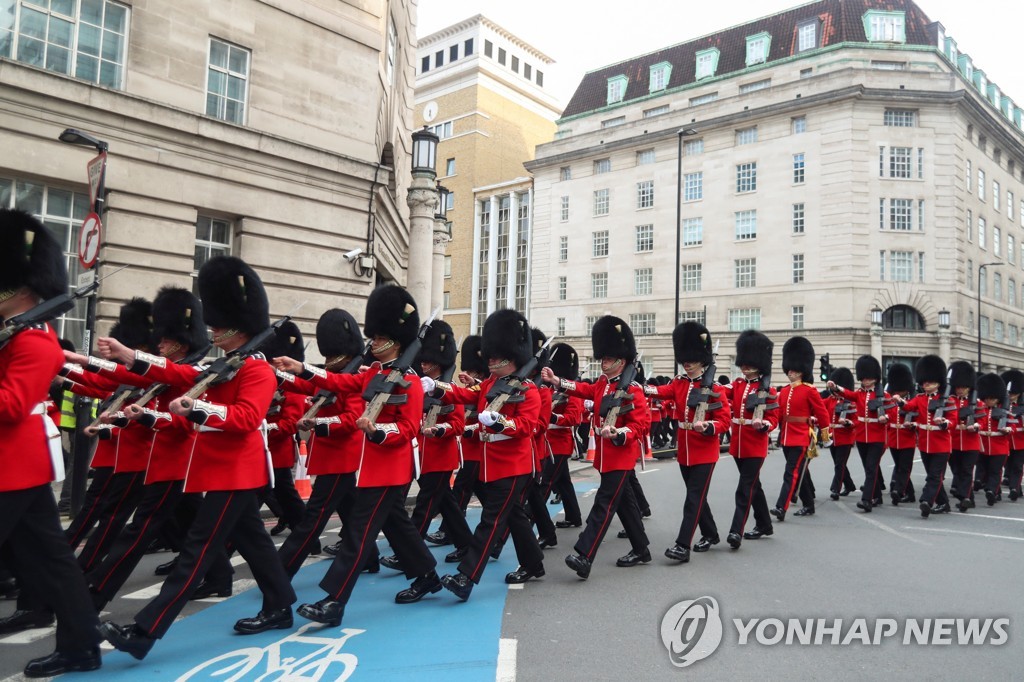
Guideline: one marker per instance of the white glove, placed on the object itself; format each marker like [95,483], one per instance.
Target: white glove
[588,405]
[428,384]
[487,418]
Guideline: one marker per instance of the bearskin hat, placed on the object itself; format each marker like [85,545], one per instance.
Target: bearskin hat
[930,368]
[391,312]
[612,338]
[439,345]
[473,359]
[962,374]
[867,367]
[565,362]
[1014,379]
[178,317]
[691,342]
[798,356]
[134,326]
[991,386]
[899,378]
[286,341]
[842,376]
[338,335]
[233,296]
[30,256]
[754,349]
[507,337]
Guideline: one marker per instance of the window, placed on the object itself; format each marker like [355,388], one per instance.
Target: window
[900,118]
[601,201]
[746,135]
[742,319]
[392,51]
[1012,339]
[540,78]
[447,266]
[644,238]
[449,167]
[602,166]
[515,64]
[997,241]
[746,225]
[562,288]
[900,217]
[560,326]
[425,65]
[645,194]
[1011,292]
[807,35]
[693,147]
[612,122]
[467,47]
[970,319]
[563,248]
[85,40]
[757,48]
[565,209]
[998,329]
[707,63]
[970,275]
[806,73]
[439,58]
[755,86]
[983,326]
[995,196]
[488,48]
[442,130]
[501,56]
[692,316]
[798,317]
[888,66]
[643,282]
[446,300]
[660,74]
[599,244]
[1011,249]
[642,324]
[997,286]
[599,285]
[920,266]
[746,177]
[693,186]
[693,231]
[798,125]
[227,81]
[656,111]
[970,225]
[884,26]
[1009,205]
[745,272]
[899,162]
[798,169]
[691,279]
[981,233]
[798,218]
[981,185]
[902,317]
[645,157]
[901,265]
[565,173]
[798,268]
[617,89]
[703,99]
[213,238]
[970,177]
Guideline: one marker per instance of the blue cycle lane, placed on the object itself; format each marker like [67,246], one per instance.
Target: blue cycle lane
[438,638]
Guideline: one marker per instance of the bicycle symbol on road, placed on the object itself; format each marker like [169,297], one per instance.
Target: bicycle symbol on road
[279,661]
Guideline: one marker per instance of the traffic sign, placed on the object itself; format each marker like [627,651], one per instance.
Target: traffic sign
[89,241]
[95,169]
[86,278]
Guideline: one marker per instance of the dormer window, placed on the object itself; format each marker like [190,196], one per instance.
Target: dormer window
[660,74]
[617,89]
[707,63]
[807,35]
[885,27]
[758,47]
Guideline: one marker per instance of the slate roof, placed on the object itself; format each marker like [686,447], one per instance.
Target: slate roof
[839,21]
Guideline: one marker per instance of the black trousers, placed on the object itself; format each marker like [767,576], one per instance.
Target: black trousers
[841,480]
[223,515]
[614,495]
[934,492]
[962,464]
[749,493]
[330,492]
[871,457]
[537,508]
[88,516]
[556,478]
[156,504]
[45,565]
[991,467]
[115,508]
[638,493]
[1015,469]
[696,511]
[467,483]
[435,497]
[502,506]
[290,507]
[900,484]
[374,510]
[796,464]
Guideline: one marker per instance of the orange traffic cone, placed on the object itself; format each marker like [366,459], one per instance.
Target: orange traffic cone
[591,447]
[302,484]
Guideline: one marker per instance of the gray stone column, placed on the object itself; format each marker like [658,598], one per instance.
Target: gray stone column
[422,200]
[441,239]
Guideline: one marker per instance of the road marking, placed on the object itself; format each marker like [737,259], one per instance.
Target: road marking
[879,524]
[506,660]
[965,532]
[515,586]
[968,515]
[28,636]
[237,587]
[646,471]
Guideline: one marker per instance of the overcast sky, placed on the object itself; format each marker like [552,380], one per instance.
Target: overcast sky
[582,35]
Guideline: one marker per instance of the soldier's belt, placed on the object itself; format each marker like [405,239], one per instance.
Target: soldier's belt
[796,420]
[871,420]
[742,422]
[961,427]
[686,426]
[991,433]
[555,426]
[205,429]
[929,427]
[493,437]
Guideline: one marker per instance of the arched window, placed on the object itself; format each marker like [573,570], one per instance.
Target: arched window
[902,317]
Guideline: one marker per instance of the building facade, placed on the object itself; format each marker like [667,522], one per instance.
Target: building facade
[277,132]
[839,170]
[482,90]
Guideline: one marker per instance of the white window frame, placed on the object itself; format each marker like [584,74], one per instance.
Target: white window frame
[758,48]
[798,318]
[746,225]
[602,202]
[746,177]
[617,89]
[798,268]
[807,35]
[599,241]
[693,186]
[900,118]
[693,231]
[741,319]
[563,248]
[645,194]
[642,324]
[745,273]
[643,281]
[599,285]
[660,74]
[706,63]
[227,72]
[746,136]
[602,166]
[799,168]
[645,157]
[564,209]
[691,277]
[644,242]
[799,218]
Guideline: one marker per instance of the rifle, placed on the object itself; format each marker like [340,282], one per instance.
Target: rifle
[937,408]
[156,389]
[49,309]
[433,407]
[969,413]
[758,401]
[1003,413]
[510,388]
[620,402]
[844,409]
[117,399]
[700,400]
[380,391]
[323,397]
[878,403]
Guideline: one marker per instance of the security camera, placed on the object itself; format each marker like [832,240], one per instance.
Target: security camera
[351,256]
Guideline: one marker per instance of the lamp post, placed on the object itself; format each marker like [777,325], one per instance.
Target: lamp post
[876,333]
[82,444]
[683,132]
[944,341]
[422,200]
[980,268]
[442,235]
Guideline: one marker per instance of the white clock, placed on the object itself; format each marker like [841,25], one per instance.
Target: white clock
[430,111]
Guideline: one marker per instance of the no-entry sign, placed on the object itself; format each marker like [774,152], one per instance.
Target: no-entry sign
[89,241]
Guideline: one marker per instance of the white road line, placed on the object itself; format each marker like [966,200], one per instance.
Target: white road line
[28,636]
[968,515]
[515,586]
[965,532]
[879,524]
[153,590]
[506,660]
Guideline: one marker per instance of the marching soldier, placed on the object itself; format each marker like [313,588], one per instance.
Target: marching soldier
[566,415]
[995,427]
[933,434]
[870,426]
[966,442]
[1015,461]
[750,429]
[839,410]
[618,445]
[901,438]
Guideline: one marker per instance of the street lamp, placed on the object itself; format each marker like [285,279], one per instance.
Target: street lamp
[442,202]
[876,316]
[424,153]
[683,132]
[944,319]
[980,268]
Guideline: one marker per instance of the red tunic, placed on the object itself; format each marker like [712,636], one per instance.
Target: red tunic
[634,424]
[441,452]
[693,447]
[540,440]
[747,441]
[1017,437]
[842,434]
[175,440]
[336,443]
[965,439]
[282,425]
[28,364]
[900,433]
[930,438]
[993,441]
[798,403]
[566,415]
[98,387]
[867,428]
